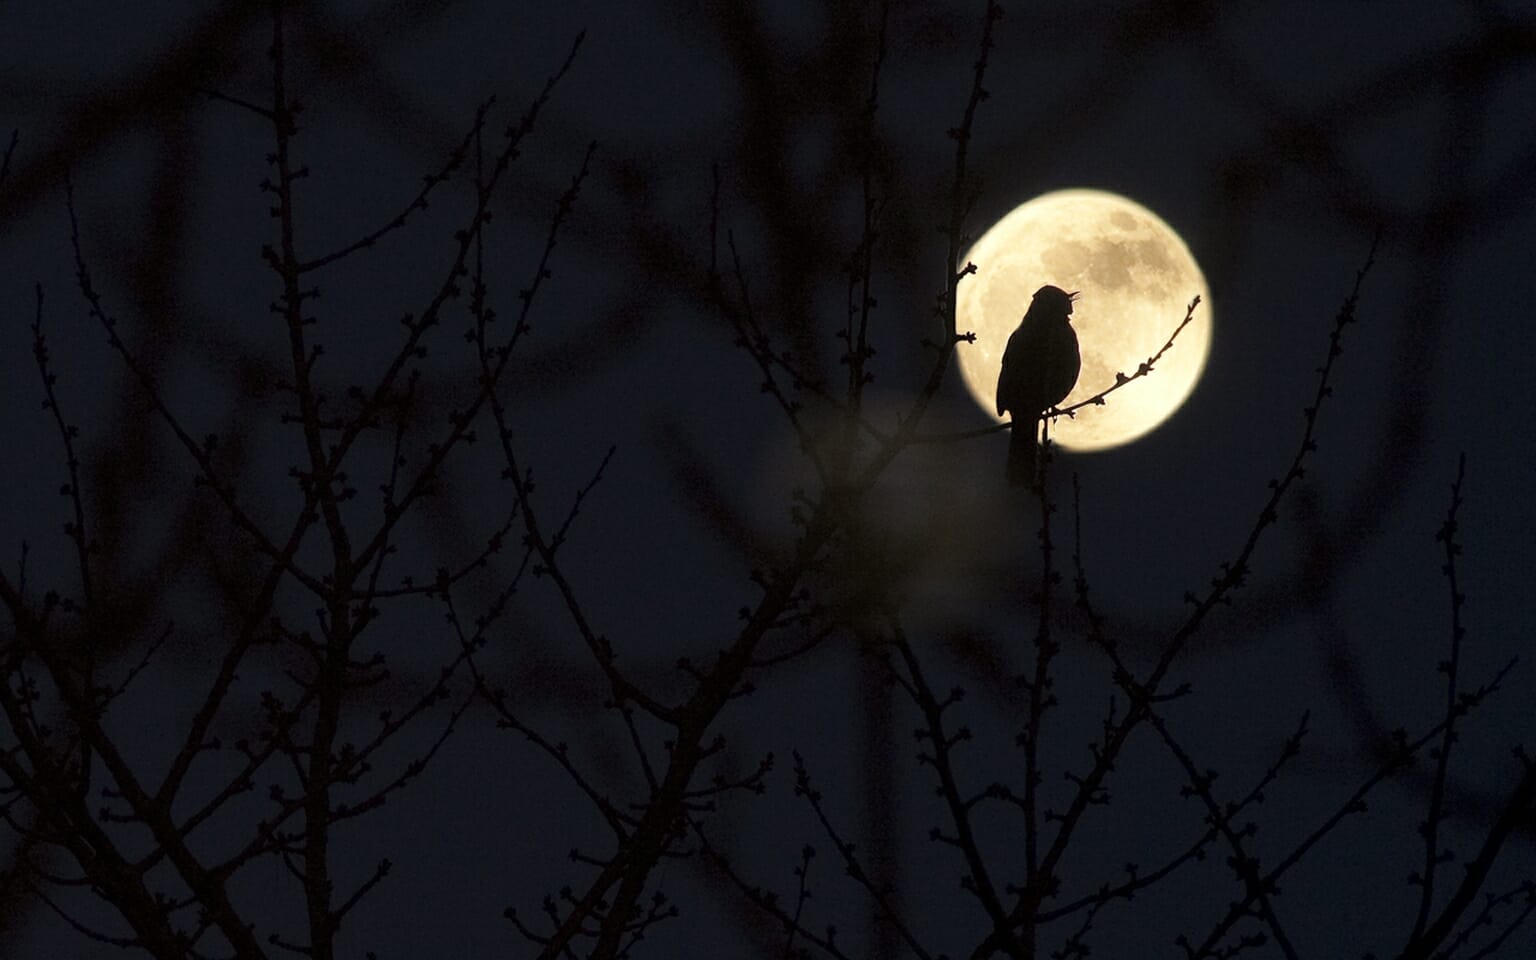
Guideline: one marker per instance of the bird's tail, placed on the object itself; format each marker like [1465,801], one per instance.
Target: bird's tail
[1021,454]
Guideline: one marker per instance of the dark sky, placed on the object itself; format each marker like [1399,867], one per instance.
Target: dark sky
[1277,138]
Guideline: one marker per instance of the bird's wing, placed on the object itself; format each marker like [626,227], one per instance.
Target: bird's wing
[1008,379]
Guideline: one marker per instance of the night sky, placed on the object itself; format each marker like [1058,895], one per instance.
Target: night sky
[1284,141]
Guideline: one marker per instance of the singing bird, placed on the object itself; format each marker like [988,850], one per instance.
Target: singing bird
[1040,367]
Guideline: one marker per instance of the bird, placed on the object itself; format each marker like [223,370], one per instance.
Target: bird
[1040,367]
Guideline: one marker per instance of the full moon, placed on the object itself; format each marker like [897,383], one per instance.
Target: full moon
[1135,277]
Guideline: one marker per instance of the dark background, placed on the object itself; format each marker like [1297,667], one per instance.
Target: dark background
[1278,138]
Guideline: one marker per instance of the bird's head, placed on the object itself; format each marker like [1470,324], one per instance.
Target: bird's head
[1056,298]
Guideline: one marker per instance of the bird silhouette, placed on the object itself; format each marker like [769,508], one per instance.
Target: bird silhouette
[1040,367]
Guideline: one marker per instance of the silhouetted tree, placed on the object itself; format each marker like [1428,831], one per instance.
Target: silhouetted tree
[213,699]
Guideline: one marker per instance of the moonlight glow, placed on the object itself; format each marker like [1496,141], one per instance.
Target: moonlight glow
[1136,277]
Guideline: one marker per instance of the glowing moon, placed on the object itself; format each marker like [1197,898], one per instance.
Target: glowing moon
[1136,277]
